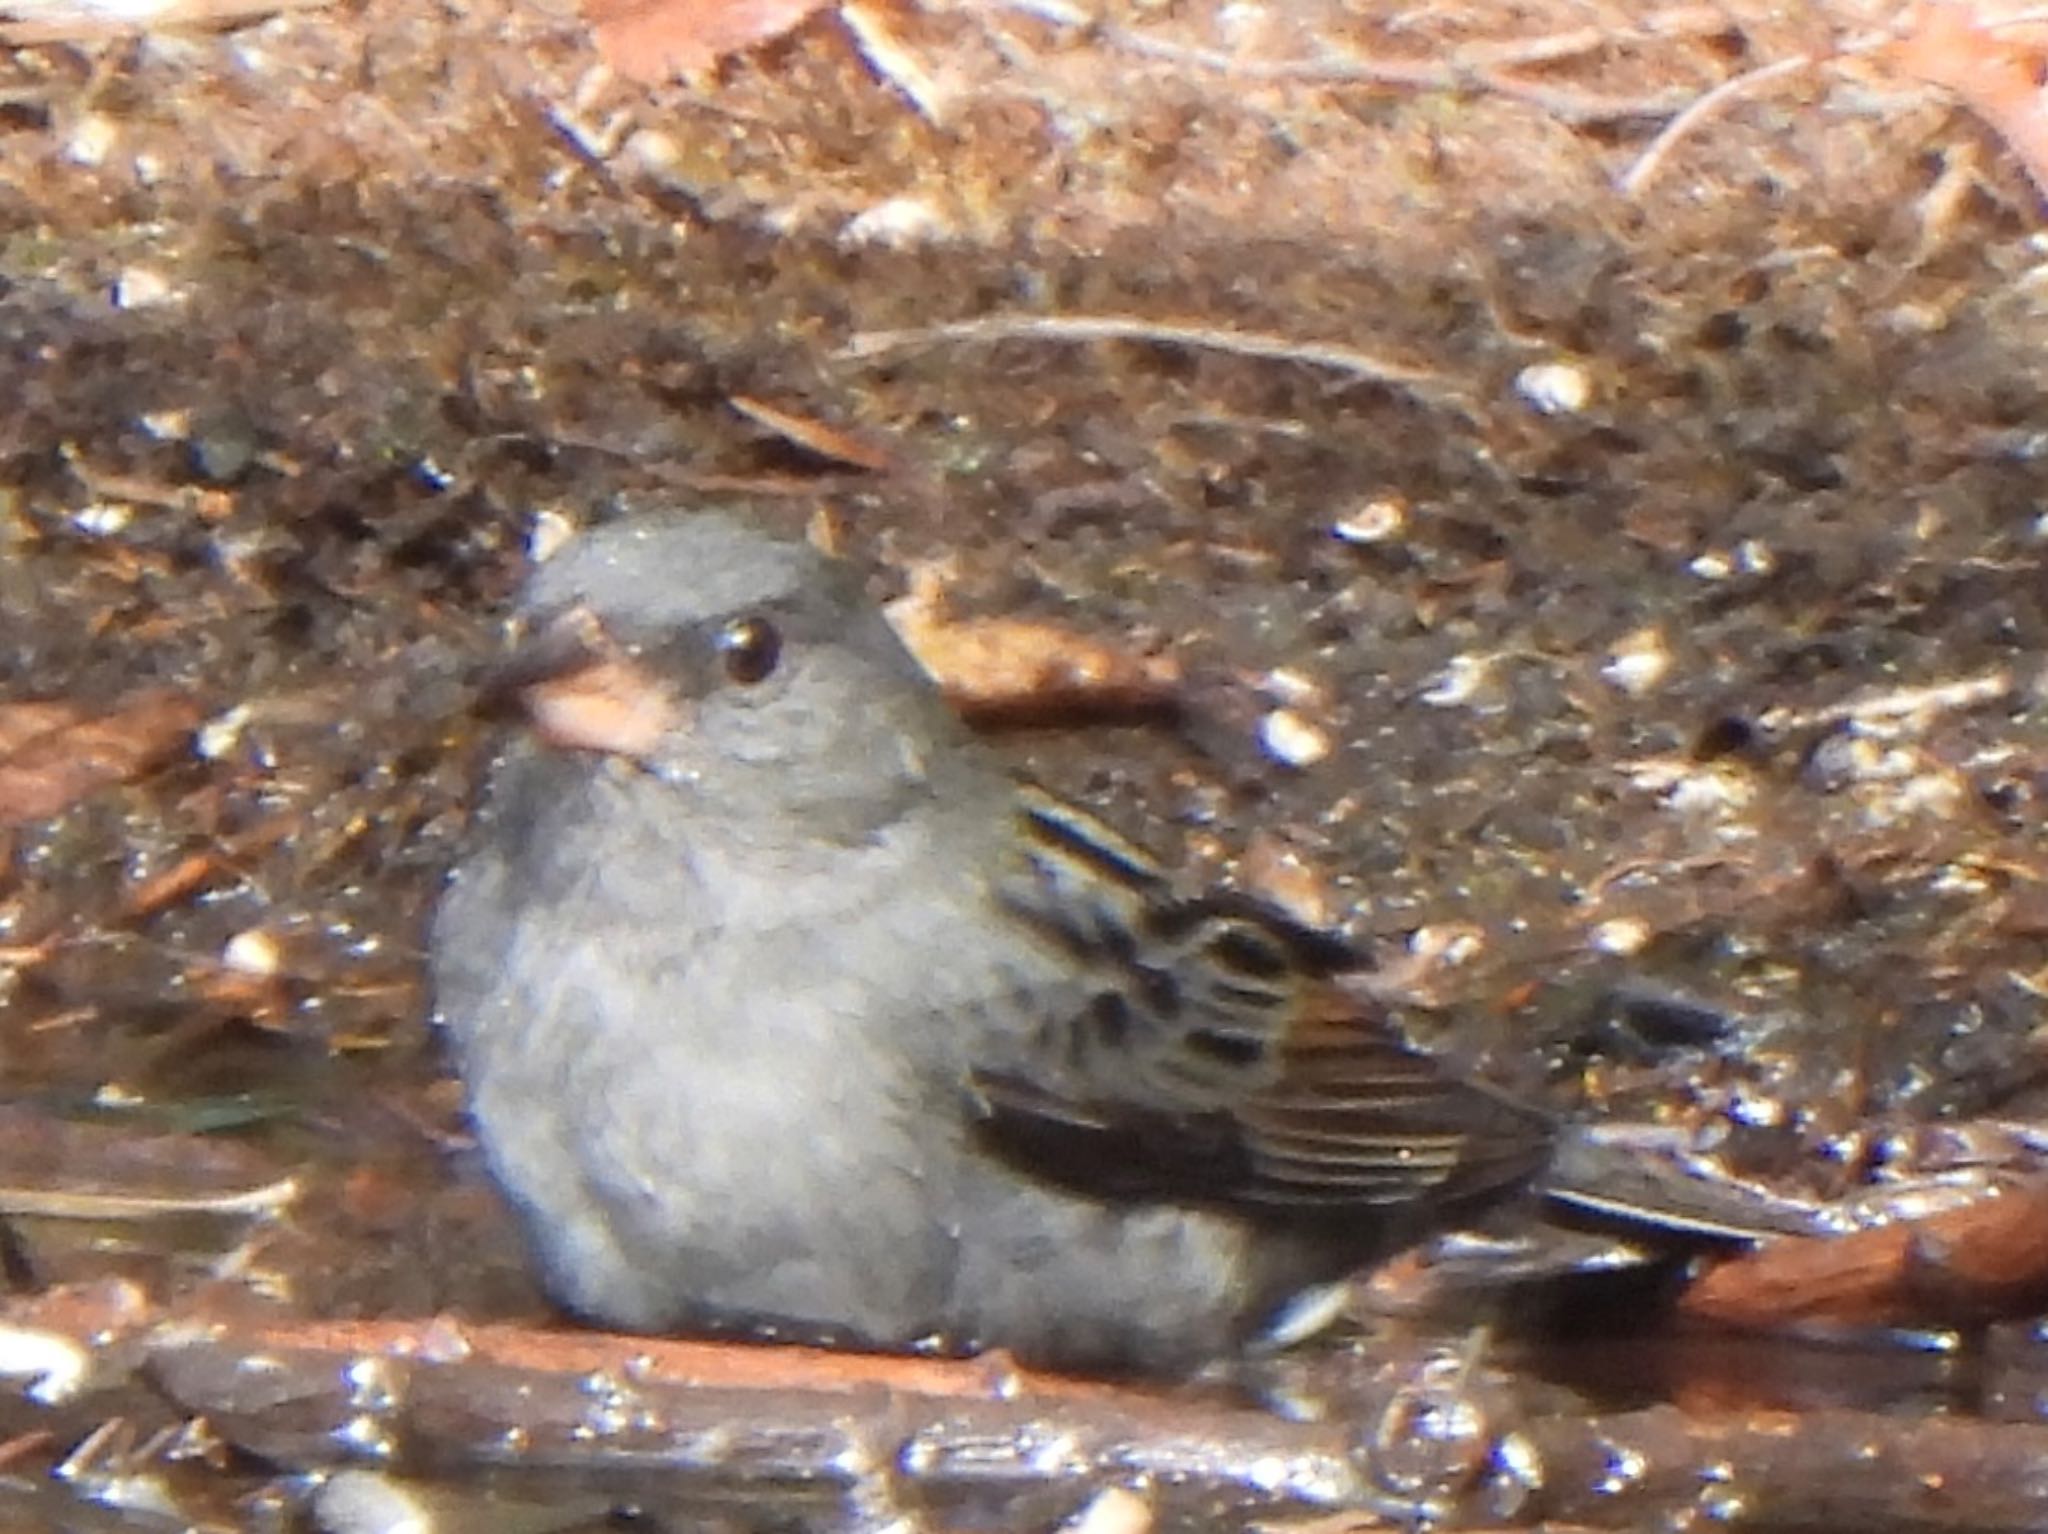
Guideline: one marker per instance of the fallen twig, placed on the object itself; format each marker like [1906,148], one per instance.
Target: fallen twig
[1124,327]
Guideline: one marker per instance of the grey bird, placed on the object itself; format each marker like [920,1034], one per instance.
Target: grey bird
[784,1008]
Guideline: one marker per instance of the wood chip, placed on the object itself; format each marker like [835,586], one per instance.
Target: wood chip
[810,434]
[1015,670]
[1960,1267]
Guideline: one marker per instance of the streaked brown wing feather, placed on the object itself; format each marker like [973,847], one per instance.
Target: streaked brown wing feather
[1358,1117]
[1367,1125]
[1203,1053]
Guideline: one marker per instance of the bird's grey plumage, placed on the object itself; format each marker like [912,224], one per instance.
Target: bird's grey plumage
[807,1017]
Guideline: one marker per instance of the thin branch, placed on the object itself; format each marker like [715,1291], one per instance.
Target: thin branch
[1074,328]
[1651,160]
[29,22]
[1478,66]
[1570,104]
[1639,175]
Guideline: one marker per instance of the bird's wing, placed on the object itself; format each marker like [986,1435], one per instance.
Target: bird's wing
[1202,1049]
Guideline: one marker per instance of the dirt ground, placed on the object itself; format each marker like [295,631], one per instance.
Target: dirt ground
[1585,467]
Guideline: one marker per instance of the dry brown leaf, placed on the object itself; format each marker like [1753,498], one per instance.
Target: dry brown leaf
[655,40]
[1992,61]
[52,754]
[21,723]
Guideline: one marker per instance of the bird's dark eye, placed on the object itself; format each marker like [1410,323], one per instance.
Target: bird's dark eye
[749,647]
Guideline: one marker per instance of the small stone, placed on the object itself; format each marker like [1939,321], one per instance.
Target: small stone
[1447,943]
[1555,388]
[254,952]
[1292,740]
[653,151]
[1113,1510]
[92,140]
[1285,685]
[897,223]
[1639,662]
[1622,936]
[1464,680]
[222,733]
[1380,520]
[550,530]
[103,519]
[138,287]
